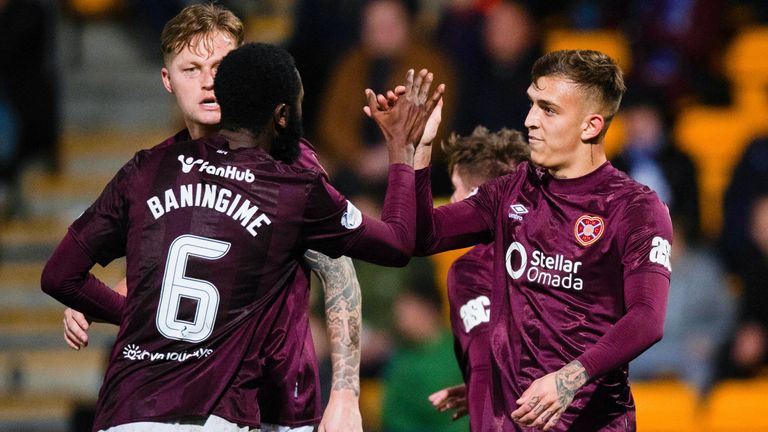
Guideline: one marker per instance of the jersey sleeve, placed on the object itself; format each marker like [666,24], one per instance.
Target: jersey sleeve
[102,229]
[335,227]
[645,255]
[456,225]
[645,243]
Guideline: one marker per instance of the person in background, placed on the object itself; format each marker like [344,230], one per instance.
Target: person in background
[386,48]
[472,161]
[700,315]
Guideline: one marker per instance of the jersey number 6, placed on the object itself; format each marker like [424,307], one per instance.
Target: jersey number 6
[177,287]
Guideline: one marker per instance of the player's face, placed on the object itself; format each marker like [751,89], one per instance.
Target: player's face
[555,123]
[189,76]
[461,188]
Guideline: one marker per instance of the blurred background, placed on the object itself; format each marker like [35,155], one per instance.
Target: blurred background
[80,92]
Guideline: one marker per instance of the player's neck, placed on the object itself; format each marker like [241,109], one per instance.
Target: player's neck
[243,138]
[581,165]
[197,131]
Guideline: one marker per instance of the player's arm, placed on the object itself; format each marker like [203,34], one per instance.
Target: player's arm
[389,241]
[67,278]
[76,324]
[645,258]
[428,239]
[343,318]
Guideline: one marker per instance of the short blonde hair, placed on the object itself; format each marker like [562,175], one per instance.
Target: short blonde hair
[196,23]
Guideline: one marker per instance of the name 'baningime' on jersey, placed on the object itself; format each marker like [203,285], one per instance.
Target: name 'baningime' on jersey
[212,236]
[282,373]
[564,249]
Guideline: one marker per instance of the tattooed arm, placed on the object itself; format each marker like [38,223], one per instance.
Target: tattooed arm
[343,318]
[542,404]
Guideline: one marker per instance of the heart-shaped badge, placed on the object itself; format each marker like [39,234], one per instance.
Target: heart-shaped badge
[588,229]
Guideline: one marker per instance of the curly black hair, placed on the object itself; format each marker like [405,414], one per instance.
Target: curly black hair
[250,82]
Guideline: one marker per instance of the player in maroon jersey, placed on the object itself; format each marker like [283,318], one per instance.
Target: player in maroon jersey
[290,394]
[472,161]
[581,258]
[219,225]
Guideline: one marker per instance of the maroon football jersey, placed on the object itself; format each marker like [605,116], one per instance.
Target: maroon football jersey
[563,250]
[282,374]
[213,238]
[470,279]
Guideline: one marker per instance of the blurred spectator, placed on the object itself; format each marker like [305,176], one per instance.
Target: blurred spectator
[700,314]
[8,146]
[748,181]
[323,31]
[650,157]
[423,363]
[674,43]
[386,51]
[747,353]
[494,49]
[27,79]
[755,11]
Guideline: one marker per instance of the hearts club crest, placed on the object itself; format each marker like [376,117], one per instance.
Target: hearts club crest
[588,229]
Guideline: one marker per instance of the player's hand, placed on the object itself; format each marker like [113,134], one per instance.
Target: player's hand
[76,329]
[542,404]
[402,119]
[122,287]
[451,398]
[433,123]
[342,414]
[423,155]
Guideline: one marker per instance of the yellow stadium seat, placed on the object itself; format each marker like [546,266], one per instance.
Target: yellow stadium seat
[715,138]
[746,65]
[616,136]
[442,262]
[737,406]
[370,403]
[94,8]
[611,42]
[665,406]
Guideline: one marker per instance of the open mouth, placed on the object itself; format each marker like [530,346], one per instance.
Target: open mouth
[210,103]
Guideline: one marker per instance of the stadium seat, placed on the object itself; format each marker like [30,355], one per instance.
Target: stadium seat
[93,8]
[715,138]
[665,406]
[370,403]
[611,42]
[614,140]
[737,406]
[746,66]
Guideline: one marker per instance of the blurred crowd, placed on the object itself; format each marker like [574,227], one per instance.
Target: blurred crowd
[717,317]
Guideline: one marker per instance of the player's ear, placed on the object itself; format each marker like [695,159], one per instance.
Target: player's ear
[280,115]
[592,127]
[166,80]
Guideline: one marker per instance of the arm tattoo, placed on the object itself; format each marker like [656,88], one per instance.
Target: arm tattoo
[342,317]
[569,380]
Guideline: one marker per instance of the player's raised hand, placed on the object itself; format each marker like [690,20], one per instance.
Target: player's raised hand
[402,118]
[76,329]
[451,399]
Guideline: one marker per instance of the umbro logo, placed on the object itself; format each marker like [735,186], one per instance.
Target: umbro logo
[517,211]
